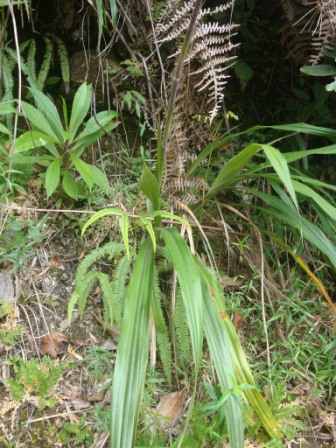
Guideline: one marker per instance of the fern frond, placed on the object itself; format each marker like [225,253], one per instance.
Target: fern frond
[64,63]
[165,352]
[181,328]
[162,335]
[45,66]
[83,290]
[119,287]
[107,291]
[8,84]
[107,250]
[71,305]
[31,61]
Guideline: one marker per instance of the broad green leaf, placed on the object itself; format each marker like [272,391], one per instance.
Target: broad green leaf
[5,109]
[4,130]
[320,201]
[48,108]
[102,214]
[38,120]
[70,186]
[52,149]
[281,168]
[80,108]
[319,70]
[96,126]
[21,159]
[100,178]
[83,169]
[124,232]
[133,348]
[190,284]
[30,140]
[227,175]
[149,185]
[149,227]
[53,176]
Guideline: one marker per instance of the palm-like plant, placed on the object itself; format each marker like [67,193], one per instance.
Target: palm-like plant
[63,143]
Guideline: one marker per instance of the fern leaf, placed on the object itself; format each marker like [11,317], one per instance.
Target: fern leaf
[71,305]
[64,63]
[107,297]
[165,353]
[181,329]
[31,62]
[46,63]
[108,250]
[120,277]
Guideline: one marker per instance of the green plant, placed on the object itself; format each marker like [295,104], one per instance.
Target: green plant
[63,144]
[99,363]
[19,239]
[34,378]
[142,297]
[10,330]
[202,305]
[76,434]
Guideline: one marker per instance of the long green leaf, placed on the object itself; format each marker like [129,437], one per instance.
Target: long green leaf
[124,232]
[167,215]
[100,178]
[228,354]
[149,227]
[282,211]
[320,201]
[53,176]
[281,168]
[133,348]
[220,353]
[101,214]
[80,108]
[95,126]
[84,170]
[32,139]
[38,120]
[227,175]
[190,284]
[48,108]
[149,185]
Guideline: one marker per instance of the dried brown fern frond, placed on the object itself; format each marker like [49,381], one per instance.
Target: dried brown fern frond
[205,71]
[311,29]
[210,49]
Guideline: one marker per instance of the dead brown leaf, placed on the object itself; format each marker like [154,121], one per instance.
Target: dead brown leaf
[170,407]
[237,320]
[54,344]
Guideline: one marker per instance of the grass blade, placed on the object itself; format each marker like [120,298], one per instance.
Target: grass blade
[133,347]
[190,282]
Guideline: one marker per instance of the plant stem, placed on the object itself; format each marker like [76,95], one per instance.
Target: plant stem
[178,72]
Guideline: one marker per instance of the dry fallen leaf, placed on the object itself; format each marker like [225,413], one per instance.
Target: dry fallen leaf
[170,407]
[237,320]
[54,344]
[54,263]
